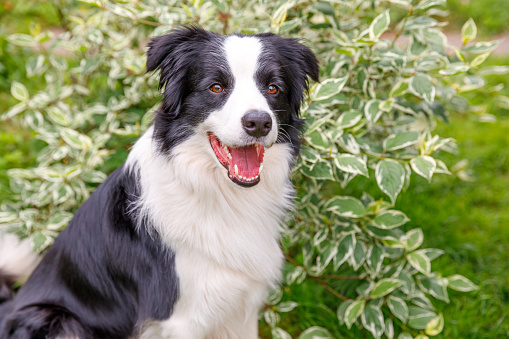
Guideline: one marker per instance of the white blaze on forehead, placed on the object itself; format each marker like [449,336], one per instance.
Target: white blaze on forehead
[242,55]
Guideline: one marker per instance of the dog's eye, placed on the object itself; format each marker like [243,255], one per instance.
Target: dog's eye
[216,88]
[272,89]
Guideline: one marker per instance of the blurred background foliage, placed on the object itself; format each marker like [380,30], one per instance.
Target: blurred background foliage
[467,216]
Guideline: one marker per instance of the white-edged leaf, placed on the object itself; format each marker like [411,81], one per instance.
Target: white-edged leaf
[14,110]
[413,239]
[390,176]
[420,262]
[328,88]
[279,333]
[75,139]
[390,219]
[372,110]
[346,207]
[421,86]
[351,164]
[286,306]
[424,165]
[349,119]
[398,307]
[418,317]
[389,328]
[59,220]
[373,319]
[468,31]
[41,240]
[353,311]
[405,335]
[379,25]
[435,326]
[321,170]
[19,91]
[434,286]
[400,140]
[315,332]
[460,283]
[345,247]
[384,287]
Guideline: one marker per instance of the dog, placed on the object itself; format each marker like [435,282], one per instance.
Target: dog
[181,241]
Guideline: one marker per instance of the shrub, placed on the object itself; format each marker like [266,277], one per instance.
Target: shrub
[372,115]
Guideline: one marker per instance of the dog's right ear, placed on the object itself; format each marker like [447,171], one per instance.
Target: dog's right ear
[173,54]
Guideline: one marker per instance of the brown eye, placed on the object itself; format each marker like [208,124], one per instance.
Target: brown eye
[216,88]
[272,89]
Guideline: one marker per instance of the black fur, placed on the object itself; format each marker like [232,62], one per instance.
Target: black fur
[190,59]
[104,276]
[101,279]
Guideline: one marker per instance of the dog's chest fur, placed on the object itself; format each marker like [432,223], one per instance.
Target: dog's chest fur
[225,237]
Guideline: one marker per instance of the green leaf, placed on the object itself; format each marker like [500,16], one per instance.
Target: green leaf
[419,317]
[421,86]
[379,25]
[400,140]
[57,115]
[346,247]
[19,91]
[40,240]
[389,328]
[279,333]
[481,47]
[413,239]
[420,262]
[351,164]
[423,5]
[286,306]
[14,110]
[435,325]
[405,335]
[75,139]
[353,311]
[328,88]
[390,219]
[349,119]
[23,40]
[398,307]
[346,207]
[341,311]
[468,31]
[384,287]
[424,165]
[400,88]
[373,319]
[321,170]
[372,110]
[390,176]
[435,286]
[460,283]
[59,220]
[315,332]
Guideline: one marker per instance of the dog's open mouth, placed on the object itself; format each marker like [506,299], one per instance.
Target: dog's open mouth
[244,164]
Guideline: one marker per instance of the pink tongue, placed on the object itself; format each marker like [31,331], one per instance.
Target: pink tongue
[246,159]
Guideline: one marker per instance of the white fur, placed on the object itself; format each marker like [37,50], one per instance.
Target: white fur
[226,237]
[242,55]
[16,257]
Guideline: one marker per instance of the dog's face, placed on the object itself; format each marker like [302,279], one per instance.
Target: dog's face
[244,92]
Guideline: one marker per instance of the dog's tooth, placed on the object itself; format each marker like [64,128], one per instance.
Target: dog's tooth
[229,156]
[260,171]
[236,170]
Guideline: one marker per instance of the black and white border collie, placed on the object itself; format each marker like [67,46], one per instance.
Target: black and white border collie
[181,241]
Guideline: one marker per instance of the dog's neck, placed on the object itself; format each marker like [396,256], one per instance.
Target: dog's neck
[192,203]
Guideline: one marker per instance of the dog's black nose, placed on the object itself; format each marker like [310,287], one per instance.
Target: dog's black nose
[257,123]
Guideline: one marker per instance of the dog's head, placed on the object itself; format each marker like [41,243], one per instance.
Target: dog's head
[243,91]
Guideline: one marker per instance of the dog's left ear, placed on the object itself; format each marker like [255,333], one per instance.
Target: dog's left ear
[300,63]
[173,54]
